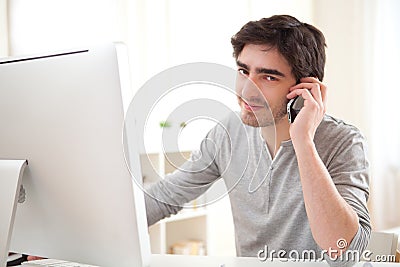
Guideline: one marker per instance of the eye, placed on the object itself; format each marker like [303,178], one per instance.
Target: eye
[243,71]
[270,78]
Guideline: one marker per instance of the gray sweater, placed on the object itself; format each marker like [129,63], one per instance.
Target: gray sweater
[266,195]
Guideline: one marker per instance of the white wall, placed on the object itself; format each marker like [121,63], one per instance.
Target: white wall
[362,76]
[3,28]
[385,127]
[343,24]
[49,25]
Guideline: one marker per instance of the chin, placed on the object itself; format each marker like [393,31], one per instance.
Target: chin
[249,118]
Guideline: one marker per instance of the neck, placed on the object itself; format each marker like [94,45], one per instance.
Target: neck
[274,136]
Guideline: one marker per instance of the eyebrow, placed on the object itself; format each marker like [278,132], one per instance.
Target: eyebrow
[261,70]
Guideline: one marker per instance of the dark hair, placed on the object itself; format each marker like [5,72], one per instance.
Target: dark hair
[301,44]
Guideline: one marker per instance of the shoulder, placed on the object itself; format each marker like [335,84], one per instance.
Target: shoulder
[335,139]
[336,130]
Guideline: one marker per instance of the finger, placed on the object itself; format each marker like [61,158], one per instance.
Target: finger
[305,93]
[32,258]
[312,88]
[301,86]
[295,93]
[317,88]
[316,93]
[309,80]
[309,100]
[324,90]
[322,86]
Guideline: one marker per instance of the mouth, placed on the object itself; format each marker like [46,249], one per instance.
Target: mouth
[252,106]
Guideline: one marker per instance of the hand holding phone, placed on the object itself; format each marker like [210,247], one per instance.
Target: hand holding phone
[294,106]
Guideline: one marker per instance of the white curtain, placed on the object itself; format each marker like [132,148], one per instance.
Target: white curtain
[3,28]
[382,108]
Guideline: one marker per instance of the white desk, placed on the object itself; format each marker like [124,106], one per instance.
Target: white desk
[214,261]
[209,261]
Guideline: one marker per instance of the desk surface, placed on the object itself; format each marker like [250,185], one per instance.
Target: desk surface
[210,261]
[219,261]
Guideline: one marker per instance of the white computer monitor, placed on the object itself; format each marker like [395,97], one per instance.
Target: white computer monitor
[63,113]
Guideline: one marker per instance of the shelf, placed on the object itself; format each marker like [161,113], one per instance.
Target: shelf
[186,215]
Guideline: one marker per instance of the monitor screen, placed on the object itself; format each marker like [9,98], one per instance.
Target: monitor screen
[63,113]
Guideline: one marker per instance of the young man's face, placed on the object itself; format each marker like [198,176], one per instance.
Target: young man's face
[263,81]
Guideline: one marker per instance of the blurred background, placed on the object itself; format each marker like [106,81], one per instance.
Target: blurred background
[363,55]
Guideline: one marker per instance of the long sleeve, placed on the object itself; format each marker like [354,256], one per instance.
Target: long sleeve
[349,170]
[192,179]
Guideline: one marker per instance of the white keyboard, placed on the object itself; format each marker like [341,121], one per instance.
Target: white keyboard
[53,263]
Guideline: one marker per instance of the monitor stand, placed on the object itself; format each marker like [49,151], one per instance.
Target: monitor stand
[11,172]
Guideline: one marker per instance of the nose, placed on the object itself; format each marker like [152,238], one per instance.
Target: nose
[250,90]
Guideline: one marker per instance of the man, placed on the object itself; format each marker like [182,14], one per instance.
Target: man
[294,186]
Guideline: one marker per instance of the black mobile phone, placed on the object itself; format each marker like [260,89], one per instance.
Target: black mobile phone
[294,106]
